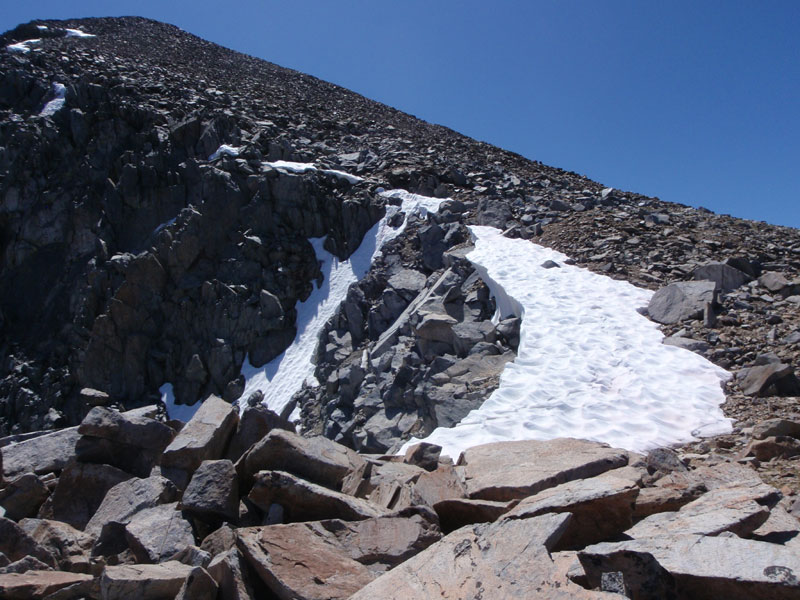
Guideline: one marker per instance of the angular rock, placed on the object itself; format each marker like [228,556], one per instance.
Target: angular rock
[510,559]
[726,277]
[781,446]
[304,501]
[15,544]
[155,534]
[436,486]
[70,547]
[28,563]
[213,491]
[697,566]
[681,301]
[43,454]
[254,425]
[37,584]
[199,585]
[229,572]
[514,470]
[81,490]
[192,556]
[316,459]
[124,428]
[601,507]
[296,563]
[219,541]
[767,380]
[423,455]
[669,494]
[458,512]
[129,497]
[776,427]
[739,510]
[204,437]
[144,582]
[22,496]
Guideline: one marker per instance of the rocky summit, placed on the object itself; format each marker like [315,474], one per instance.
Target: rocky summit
[235,302]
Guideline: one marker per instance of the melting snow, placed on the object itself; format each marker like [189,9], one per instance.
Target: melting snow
[181,412]
[282,377]
[23,47]
[342,175]
[298,167]
[226,151]
[589,365]
[79,33]
[57,103]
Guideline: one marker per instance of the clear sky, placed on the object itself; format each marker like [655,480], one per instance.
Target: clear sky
[696,102]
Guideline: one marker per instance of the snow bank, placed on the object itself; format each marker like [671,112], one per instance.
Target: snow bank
[78,33]
[23,47]
[57,103]
[282,377]
[225,150]
[589,365]
[180,412]
[298,167]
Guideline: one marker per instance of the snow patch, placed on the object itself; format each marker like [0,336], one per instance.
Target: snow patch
[282,377]
[57,103]
[23,47]
[342,175]
[179,412]
[78,33]
[588,366]
[291,167]
[164,225]
[225,150]
[42,27]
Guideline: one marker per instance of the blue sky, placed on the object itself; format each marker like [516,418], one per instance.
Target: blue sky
[694,102]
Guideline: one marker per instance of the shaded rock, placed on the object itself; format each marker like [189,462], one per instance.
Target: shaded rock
[776,427]
[681,301]
[669,494]
[22,496]
[129,497]
[204,437]
[423,455]
[772,379]
[37,584]
[254,425]
[514,470]
[663,461]
[213,491]
[81,489]
[218,541]
[736,509]
[28,563]
[775,446]
[695,566]
[601,507]
[229,572]
[155,534]
[510,559]
[458,512]
[304,501]
[16,544]
[192,556]
[199,585]
[70,547]
[294,562]
[43,454]
[316,459]
[145,582]
[134,430]
[726,277]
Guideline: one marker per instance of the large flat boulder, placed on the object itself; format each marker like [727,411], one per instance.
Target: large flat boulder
[296,564]
[43,454]
[681,301]
[701,567]
[316,459]
[737,509]
[129,497]
[204,437]
[601,507]
[514,470]
[509,559]
[143,582]
[305,501]
[37,584]
[155,534]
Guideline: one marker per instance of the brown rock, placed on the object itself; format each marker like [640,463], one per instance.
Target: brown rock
[254,425]
[669,494]
[155,534]
[424,455]
[508,559]
[23,496]
[601,507]
[514,470]
[229,572]
[436,486]
[775,446]
[204,437]
[70,547]
[143,582]
[776,427]
[213,491]
[199,585]
[304,501]
[37,584]
[125,428]
[219,541]
[295,563]
[81,489]
[315,459]
[16,544]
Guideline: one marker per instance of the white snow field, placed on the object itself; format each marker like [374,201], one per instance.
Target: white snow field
[225,150]
[280,378]
[180,412]
[298,167]
[78,33]
[57,103]
[23,47]
[589,365]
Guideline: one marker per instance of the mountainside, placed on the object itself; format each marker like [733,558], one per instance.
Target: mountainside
[181,222]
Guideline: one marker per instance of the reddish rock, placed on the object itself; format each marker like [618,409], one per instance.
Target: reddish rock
[37,584]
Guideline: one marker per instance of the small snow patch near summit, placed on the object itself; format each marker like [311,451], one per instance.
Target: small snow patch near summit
[57,103]
[588,366]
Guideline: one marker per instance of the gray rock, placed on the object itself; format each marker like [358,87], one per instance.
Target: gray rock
[213,491]
[192,556]
[70,547]
[726,277]
[38,584]
[129,497]
[514,470]
[137,431]
[16,544]
[774,427]
[155,534]
[43,454]
[81,489]
[691,344]
[146,582]
[769,379]
[22,496]
[254,425]
[681,301]
[199,585]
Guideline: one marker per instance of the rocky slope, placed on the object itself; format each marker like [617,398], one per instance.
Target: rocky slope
[150,233]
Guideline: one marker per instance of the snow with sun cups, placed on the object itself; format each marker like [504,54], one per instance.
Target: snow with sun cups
[589,364]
